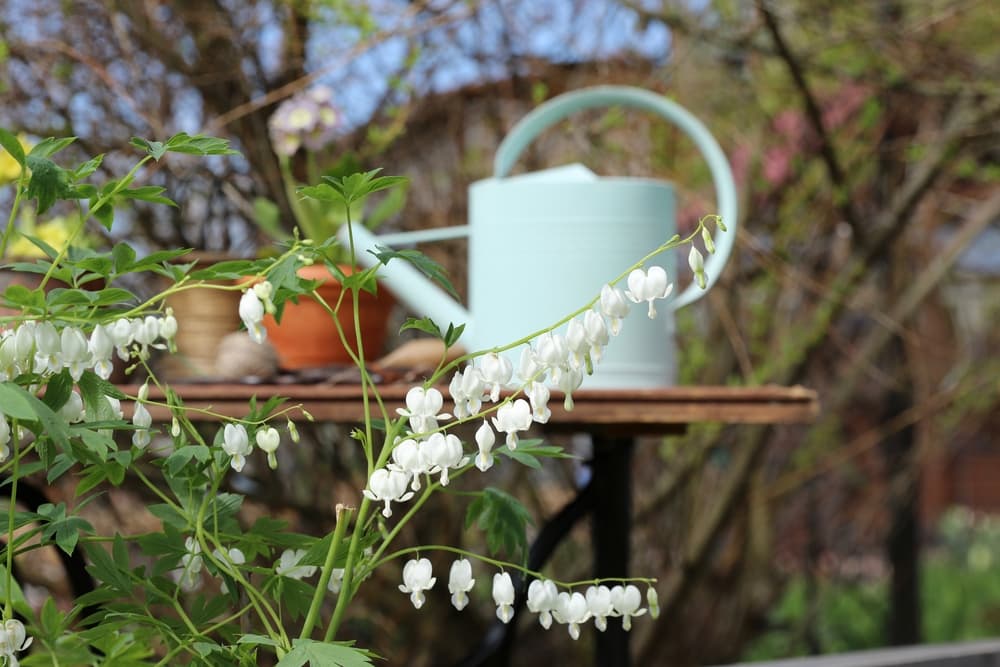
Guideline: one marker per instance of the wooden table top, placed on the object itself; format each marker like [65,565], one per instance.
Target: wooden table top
[657,410]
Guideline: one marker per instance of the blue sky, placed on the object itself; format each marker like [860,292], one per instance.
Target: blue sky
[556,30]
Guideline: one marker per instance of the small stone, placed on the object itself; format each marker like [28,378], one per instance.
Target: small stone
[238,357]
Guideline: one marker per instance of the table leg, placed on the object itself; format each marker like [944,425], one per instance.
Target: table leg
[610,530]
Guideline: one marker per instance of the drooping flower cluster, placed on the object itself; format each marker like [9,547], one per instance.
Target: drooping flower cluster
[555,359]
[571,609]
[426,452]
[43,348]
[254,302]
[236,444]
[188,575]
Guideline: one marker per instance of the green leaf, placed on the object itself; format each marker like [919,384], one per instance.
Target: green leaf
[169,515]
[49,146]
[155,148]
[12,146]
[112,296]
[69,297]
[157,258]
[97,443]
[49,251]
[257,640]
[357,186]
[104,214]
[321,654]
[199,144]
[87,168]
[103,568]
[15,402]
[123,255]
[49,182]
[453,333]
[21,297]
[424,324]
[504,520]
[150,193]
[422,262]
[321,192]
[17,595]
[64,530]
[529,451]
[58,390]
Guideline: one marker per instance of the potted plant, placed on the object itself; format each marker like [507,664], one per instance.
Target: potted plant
[304,335]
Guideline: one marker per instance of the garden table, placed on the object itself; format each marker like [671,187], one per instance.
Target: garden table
[612,417]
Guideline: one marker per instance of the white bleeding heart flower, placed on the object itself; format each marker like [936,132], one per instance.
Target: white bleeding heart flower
[614,307]
[387,486]
[648,286]
[460,582]
[512,418]
[503,596]
[417,578]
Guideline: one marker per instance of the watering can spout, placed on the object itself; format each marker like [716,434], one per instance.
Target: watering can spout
[408,284]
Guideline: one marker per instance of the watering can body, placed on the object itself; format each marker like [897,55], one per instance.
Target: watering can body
[543,244]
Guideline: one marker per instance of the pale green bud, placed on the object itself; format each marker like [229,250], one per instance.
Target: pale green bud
[653,600]
[706,236]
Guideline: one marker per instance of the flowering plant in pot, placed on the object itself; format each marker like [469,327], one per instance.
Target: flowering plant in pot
[208,587]
[300,129]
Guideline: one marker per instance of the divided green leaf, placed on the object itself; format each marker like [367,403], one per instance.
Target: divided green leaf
[322,654]
[420,261]
[504,520]
[424,324]
[49,182]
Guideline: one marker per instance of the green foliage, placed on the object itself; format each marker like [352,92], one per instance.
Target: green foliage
[322,654]
[422,262]
[185,143]
[12,146]
[960,588]
[503,519]
[427,325]
[529,451]
[349,189]
[63,529]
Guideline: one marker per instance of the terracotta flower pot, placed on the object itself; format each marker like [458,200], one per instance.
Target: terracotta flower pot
[307,336]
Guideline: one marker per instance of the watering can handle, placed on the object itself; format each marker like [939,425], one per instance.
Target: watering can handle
[559,107]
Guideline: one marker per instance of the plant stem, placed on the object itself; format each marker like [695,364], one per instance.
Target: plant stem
[11,511]
[347,588]
[14,209]
[343,518]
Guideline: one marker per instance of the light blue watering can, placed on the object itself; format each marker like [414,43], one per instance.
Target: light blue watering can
[542,244]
